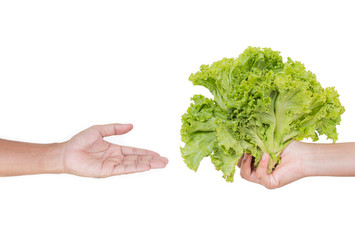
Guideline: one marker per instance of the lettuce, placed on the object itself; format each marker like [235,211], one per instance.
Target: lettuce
[260,104]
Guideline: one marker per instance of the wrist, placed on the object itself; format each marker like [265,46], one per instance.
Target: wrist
[309,158]
[305,156]
[53,162]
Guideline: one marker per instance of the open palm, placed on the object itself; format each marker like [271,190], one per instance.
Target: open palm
[87,154]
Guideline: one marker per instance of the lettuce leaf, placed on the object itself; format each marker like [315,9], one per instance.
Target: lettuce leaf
[260,104]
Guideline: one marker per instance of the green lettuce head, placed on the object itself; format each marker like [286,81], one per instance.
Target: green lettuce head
[260,104]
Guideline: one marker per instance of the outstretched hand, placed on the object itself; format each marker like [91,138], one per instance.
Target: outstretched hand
[289,170]
[87,154]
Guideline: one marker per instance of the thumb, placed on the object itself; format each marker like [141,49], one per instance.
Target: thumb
[113,129]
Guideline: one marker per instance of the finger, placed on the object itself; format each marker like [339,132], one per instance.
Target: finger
[137,151]
[246,170]
[131,168]
[245,166]
[261,170]
[113,129]
[153,161]
[241,160]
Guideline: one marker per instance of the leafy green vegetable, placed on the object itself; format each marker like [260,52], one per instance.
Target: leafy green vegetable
[260,104]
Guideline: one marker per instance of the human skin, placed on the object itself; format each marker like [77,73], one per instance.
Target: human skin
[300,160]
[86,154]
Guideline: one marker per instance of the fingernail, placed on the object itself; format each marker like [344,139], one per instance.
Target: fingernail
[264,157]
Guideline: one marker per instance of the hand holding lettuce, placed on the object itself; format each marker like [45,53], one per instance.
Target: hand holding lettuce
[260,104]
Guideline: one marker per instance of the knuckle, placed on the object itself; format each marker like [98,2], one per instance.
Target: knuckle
[242,175]
[258,175]
[270,187]
[94,128]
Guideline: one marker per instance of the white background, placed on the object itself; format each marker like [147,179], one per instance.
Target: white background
[66,65]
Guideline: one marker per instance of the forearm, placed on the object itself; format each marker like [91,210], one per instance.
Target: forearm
[19,158]
[331,160]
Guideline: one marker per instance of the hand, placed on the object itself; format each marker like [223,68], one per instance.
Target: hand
[289,170]
[87,154]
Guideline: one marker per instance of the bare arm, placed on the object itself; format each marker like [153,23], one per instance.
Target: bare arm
[19,158]
[87,154]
